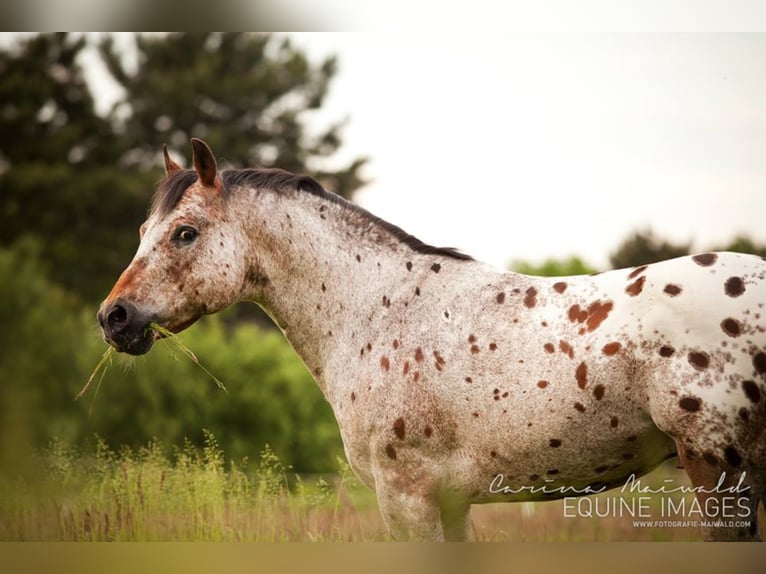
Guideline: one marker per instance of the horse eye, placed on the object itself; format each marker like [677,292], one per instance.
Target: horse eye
[185,234]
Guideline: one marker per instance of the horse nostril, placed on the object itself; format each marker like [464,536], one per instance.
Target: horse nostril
[117,317]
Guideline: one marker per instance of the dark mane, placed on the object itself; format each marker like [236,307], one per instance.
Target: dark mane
[170,192]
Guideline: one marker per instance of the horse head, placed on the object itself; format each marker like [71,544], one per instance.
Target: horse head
[189,261]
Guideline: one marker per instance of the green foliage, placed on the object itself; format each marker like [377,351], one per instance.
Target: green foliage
[743,244]
[643,248]
[80,183]
[51,345]
[553,267]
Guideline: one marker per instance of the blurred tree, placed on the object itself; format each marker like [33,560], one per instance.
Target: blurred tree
[81,183]
[245,94]
[743,244]
[553,267]
[56,166]
[642,248]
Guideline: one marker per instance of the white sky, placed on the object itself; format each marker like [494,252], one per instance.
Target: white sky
[551,145]
[533,146]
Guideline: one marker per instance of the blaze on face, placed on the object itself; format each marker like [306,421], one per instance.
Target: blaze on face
[186,265]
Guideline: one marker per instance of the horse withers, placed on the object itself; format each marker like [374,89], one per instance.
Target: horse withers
[453,382]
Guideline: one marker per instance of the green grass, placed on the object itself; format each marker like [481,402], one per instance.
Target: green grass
[188,494]
[191,494]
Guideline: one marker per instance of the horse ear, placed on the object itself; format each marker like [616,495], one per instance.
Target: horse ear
[204,162]
[170,166]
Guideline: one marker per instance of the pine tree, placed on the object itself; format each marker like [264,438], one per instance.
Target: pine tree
[245,94]
[57,156]
[79,184]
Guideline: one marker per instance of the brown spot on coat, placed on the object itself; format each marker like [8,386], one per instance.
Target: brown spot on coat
[419,355]
[635,288]
[554,443]
[593,316]
[576,314]
[436,267]
[542,384]
[734,286]
[598,392]
[391,451]
[710,458]
[560,287]
[471,338]
[732,456]
[672,289]
[530,300]
[611,348]
[399,428]
[475,349]
[395,344]
[409,265]
[637,271]
[759,362]
[501,297]
[699,360]
[691,404]
[493,346]
[666,351]
[705,259]
[549,348]
[440,362]
[614,422]
[406,368]
[567,349]
[731,327]
[384,363]
[581,375]
[428,431]
[353,396]
[579,407]
[751,391]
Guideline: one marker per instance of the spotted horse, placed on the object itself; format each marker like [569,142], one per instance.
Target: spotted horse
[453,382]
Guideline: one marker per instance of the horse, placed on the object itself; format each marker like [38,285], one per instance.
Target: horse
[453,382]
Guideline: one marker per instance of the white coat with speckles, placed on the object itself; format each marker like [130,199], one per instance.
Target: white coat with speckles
[455,383]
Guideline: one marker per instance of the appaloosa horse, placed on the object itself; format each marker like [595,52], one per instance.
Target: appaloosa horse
[455,383]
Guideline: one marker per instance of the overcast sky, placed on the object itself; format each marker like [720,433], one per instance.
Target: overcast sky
[528,147]
[551,145]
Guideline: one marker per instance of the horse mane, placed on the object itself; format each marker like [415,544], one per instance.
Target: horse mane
[172,189]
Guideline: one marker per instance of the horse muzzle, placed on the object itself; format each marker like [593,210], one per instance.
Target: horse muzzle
[126,327]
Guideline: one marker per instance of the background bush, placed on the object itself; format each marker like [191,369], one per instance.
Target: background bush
[51,343]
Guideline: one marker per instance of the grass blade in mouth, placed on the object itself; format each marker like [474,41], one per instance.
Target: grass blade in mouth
[176,340]
[100,370]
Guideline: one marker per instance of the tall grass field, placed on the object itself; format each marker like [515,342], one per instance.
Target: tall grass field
[192,494]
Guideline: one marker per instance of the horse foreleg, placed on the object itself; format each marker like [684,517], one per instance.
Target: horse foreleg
[409,514]
[726,518]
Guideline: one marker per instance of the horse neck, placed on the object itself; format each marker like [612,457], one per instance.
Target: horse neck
[329,273]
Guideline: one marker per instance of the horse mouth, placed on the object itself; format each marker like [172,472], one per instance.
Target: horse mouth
[140,344]
[142,341]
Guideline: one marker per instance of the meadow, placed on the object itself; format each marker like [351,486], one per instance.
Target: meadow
[192,494]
